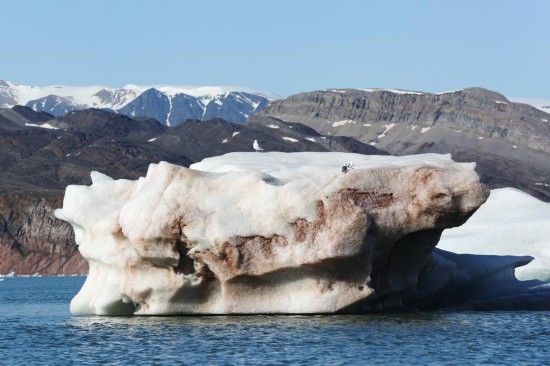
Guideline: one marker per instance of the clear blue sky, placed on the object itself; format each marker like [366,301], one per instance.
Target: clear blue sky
[282,47]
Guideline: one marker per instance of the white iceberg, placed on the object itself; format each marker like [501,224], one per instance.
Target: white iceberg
[511,222]
[265,233]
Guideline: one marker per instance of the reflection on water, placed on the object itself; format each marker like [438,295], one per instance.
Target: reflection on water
[37,328]
[408,338]
[283,321]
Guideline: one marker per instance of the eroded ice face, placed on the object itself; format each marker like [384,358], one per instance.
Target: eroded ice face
[264,232]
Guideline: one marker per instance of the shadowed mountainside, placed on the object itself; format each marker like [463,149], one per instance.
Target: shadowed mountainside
[37,163]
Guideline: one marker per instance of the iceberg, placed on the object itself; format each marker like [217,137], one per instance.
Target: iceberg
[282,233]
[511,222]
[11,274]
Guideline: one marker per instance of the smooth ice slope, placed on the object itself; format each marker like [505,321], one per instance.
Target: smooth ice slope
[300,165]
[266,233]
[511,222]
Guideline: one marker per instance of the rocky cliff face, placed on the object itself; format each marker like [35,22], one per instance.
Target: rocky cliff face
[33,241]
[509,141]
[474,110]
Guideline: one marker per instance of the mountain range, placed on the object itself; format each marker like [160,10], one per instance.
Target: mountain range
[41,153]
[170,105]
[509,141]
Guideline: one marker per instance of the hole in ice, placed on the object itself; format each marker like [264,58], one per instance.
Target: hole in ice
[185,265]
[271,180]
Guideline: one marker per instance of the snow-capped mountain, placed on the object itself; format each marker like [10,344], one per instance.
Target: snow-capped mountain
[170,105]
[114,99]
[172,109]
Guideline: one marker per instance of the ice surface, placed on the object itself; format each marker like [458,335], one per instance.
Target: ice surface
[511,222]
[478,282]
[299,165]
[79,95]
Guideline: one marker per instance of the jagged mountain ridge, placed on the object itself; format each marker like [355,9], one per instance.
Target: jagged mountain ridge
[509,141]
[174,109]
[170,105]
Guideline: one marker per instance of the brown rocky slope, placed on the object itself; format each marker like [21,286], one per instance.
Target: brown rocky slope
[33,241]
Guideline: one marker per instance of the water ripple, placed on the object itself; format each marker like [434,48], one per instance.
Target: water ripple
[37,328]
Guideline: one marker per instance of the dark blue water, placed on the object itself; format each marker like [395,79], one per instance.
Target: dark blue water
[37,328]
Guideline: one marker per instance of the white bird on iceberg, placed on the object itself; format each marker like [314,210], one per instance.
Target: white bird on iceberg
[256,146]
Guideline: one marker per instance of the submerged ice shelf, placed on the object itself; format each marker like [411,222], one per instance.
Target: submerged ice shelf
[281,233]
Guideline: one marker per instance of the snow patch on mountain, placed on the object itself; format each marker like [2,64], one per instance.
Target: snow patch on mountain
[114,99]
[386,129]
[43,125]
[342,122]
[290,139]
[200,91]
[394,91]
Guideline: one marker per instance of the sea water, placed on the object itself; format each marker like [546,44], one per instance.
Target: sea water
[36,328]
